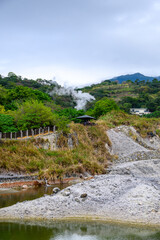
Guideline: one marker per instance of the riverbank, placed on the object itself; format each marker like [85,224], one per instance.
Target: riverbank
[11,183]
[130,193]
[113,197]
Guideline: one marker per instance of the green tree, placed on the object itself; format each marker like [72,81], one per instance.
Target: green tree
[7,123]
[23,93]
[2,110]
[70,113]
[104,106]
[126,107]
[155,114]
[11,74]
[137,81]
[33,114]
[3,95]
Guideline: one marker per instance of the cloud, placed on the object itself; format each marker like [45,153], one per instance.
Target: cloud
[79,41]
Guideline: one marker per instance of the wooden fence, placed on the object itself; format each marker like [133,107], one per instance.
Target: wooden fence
[27,133]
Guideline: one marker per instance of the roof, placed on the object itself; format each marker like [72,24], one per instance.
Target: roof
[139,108]
[85,117]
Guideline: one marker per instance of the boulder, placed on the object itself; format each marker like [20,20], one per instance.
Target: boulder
[83,195]
[56,190]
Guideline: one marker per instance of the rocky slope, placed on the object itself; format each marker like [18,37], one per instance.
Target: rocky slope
[128,145]
[129,193]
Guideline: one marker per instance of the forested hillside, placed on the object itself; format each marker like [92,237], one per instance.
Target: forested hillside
[138,94]
[27,104]
[15,86]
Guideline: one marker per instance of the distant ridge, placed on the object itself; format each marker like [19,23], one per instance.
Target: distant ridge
[133,77]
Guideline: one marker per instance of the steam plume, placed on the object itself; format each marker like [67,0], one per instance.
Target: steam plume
[79,97]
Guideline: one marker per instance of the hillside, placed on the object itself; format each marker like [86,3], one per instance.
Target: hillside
[31,104]
[56,105]
[129,94]
[120,86]
[35,155]
[111,90]
[88,155]
[19,87]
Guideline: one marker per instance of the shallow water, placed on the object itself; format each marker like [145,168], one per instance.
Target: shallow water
[10,198]
[74,231]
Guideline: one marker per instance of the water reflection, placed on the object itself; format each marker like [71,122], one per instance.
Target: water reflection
[8,199]
[76,231]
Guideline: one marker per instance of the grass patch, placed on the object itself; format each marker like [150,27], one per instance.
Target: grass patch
[89,155]
[143,125]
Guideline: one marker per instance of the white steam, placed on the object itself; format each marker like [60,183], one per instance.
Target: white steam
[79,97]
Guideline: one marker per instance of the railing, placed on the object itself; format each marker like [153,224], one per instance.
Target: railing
[27,133]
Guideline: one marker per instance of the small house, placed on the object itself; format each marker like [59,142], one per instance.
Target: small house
[139,111]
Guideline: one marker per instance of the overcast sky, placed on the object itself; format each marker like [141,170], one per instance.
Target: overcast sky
[79,42]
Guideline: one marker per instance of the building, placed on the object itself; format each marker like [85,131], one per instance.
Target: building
[139,111]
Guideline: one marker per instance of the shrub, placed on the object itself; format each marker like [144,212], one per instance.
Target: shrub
[33,114]
[7,124]
[104,106]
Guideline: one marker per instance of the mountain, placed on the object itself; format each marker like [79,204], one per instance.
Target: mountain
[133,77]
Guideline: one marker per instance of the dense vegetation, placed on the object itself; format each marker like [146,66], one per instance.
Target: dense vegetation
[138,94]
[102,107]
[15,88]
[28,104]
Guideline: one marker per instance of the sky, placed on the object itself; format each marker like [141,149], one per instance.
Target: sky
[79,42]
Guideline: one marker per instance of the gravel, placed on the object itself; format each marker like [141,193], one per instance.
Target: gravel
[130,193]
[116,197]
[126,149]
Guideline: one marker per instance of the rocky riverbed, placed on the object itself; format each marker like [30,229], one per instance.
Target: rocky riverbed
[13,177]
[129,193]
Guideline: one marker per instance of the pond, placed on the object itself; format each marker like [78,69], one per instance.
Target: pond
[10,197]
[74,231]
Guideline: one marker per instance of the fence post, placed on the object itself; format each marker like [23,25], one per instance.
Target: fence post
[35,132]
[39,131]
[54,128]
[0,135]
[32,132]
[70,141]
[56,139]
[11,135]
[21,133]
[48,129]
[76,137]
